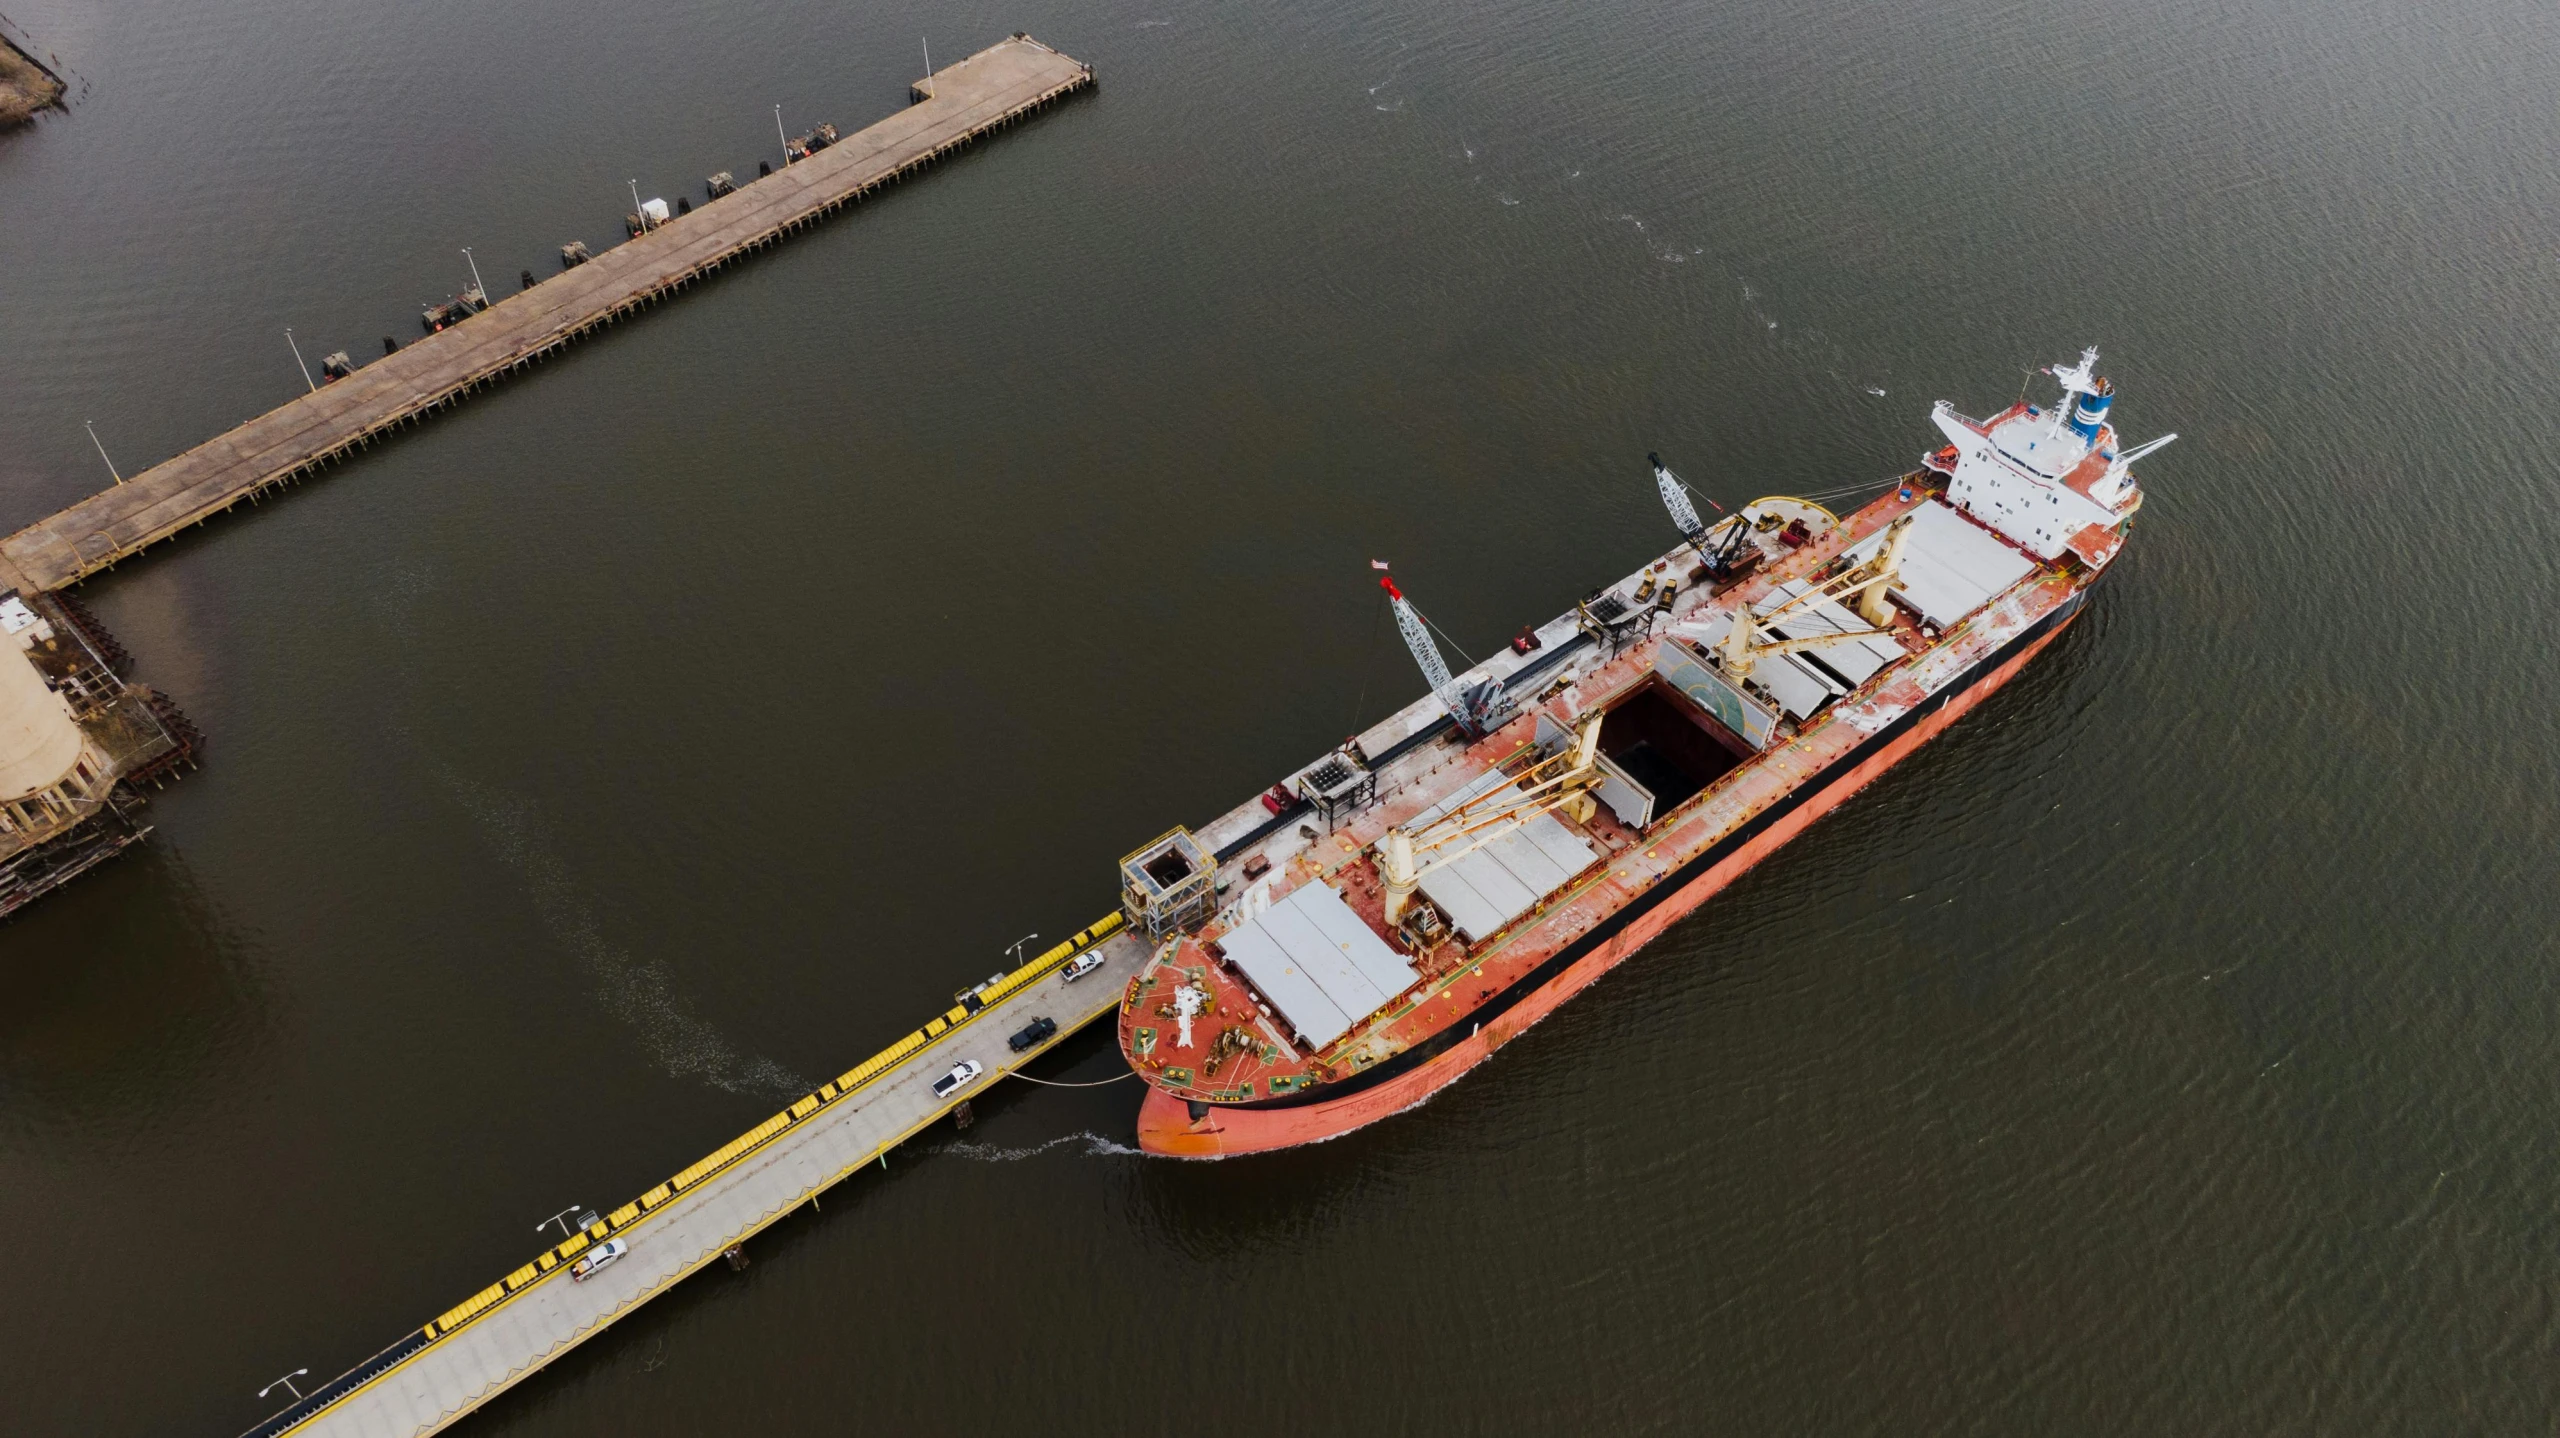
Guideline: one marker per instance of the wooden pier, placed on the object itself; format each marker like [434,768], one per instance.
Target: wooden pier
[956,105]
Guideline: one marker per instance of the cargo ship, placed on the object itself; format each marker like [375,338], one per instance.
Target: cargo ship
[1381,921]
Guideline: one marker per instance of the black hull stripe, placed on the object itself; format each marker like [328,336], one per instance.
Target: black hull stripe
[1672,883]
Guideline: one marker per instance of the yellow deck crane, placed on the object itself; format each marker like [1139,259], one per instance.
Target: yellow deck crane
[1561,781]
[1742,645]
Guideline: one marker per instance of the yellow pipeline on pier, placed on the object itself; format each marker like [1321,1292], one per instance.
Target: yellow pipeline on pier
[499,1336]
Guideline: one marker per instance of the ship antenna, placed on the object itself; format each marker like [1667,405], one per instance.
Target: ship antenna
[2076,380]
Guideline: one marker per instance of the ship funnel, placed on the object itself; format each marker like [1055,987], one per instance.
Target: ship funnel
[2089,409]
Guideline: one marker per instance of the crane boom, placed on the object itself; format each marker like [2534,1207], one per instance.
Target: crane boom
[1435,670]
[1740,644]
[1721,545]
[1474,707]
[1562,781]
[1675,497]
[1761,648]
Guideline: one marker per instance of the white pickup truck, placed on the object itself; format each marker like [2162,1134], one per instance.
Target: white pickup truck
[962,1074]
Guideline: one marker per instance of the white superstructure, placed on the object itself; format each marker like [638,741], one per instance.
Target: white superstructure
[2054,481]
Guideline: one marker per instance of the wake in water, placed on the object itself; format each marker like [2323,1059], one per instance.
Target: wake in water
[1392,71]
[1095,1146]
[1668,254]
[639,993]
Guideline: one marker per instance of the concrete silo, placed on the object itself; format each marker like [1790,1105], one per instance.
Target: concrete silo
[75,741]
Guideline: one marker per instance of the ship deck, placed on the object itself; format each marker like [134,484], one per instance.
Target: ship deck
[1459,985]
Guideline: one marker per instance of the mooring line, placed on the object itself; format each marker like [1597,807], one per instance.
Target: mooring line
[1053,1083]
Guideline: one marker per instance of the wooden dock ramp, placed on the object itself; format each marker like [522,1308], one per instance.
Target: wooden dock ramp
[954,106]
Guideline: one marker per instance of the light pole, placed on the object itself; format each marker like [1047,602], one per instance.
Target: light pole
[1014,950]
[561,1218]
[102,449]
[928,56]
[782,135]
[475,274]
[638,213]
[286,1383]
[297,359]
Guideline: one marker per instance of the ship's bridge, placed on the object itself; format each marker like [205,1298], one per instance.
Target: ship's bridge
[2033,440]
[2054,480]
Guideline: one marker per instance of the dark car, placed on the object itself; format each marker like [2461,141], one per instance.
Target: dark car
[1038,1033]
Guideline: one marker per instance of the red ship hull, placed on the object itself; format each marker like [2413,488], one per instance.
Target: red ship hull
[1167,1126]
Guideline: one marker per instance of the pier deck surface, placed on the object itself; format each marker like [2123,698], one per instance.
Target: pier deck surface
[471,1359]
[954,106]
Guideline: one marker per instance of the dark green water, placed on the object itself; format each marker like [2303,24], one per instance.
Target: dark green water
[2168,1049]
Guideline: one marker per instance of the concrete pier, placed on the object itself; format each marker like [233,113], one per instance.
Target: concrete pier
[956,105]
[438,1374]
